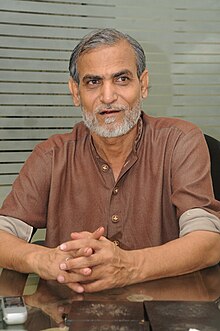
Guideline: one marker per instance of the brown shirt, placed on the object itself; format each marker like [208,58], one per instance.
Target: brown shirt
[65,186]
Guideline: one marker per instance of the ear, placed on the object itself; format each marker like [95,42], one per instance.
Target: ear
[144,80]
[74,90]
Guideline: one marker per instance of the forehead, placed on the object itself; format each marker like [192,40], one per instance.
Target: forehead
[106,59]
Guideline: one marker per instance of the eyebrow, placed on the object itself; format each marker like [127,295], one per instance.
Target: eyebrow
[115,75]
[123,72]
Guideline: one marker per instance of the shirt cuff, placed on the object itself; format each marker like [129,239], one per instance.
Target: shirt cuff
[198,219]
[16,227]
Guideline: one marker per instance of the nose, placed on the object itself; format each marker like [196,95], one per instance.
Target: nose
[108,93]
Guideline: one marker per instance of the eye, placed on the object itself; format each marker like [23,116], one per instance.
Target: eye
[123,80]
[93,82]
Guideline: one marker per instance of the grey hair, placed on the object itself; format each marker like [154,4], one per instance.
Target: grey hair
[107,37]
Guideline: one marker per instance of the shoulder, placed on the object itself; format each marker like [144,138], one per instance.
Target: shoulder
[63,141]
[169,123]
[173,133]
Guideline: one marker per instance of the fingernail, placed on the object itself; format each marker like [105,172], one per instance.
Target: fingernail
[87,271]
[80,289]
[60,279]
[63,247]
[63,266]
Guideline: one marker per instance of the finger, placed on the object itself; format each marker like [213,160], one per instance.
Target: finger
[83,235]
[75,251]
[75,286]
[75,245]
[95,286]
[98,233]
[83,271]
[82,262]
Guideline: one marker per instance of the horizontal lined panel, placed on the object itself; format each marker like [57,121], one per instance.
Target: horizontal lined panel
[14,87]
[12,168]
[43,32]
[196,4]
[45,44]
[38,134]
[197,90]
[55,8]
[61,55]
[196,100]
[60,9]
[204,121]
[213,131]
[197,38]
[35,99]
[13,157]
[159,78]
[196,79]
[196,58]
[155,100]
[193,110]
[197,15]
[36,122]
[197,49]
[159,68]
[105,2]
[197,26]
[16,19]
[17,145]
[4,191]
[34,76]
[53,65]
[198,68]
[42,111]
[7,179]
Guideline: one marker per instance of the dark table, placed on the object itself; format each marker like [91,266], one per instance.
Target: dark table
[172,304]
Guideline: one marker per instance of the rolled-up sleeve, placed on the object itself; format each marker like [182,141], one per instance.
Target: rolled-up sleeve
[16,227]
[198,219]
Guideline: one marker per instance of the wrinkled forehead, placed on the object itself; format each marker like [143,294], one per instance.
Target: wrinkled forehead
[116,57]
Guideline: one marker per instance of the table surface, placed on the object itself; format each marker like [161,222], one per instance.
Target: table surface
[122,309]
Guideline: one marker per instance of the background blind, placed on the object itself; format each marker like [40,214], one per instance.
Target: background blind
[181,39]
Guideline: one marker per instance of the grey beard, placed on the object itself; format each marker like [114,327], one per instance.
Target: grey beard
[111,129]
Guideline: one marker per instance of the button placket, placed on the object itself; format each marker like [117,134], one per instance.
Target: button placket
[115,218]
[105,167]
[115,190]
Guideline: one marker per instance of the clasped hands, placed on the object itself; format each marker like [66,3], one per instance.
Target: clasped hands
[94,263]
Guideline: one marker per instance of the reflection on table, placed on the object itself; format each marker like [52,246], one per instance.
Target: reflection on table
[52,305]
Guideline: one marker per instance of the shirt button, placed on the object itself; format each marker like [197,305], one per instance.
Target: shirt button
[115,218]
[116,189]
[116,242]
[105,167]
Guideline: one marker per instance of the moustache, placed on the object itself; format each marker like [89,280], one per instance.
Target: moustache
[114,107]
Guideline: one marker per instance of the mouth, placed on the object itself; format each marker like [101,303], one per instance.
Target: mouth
[109,112]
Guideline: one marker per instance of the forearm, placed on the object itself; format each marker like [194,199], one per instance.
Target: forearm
[115,267]
[17,254]
[192,252]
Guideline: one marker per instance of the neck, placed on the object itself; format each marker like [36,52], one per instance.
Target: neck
[115,150]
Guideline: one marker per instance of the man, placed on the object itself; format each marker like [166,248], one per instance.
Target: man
[125,197]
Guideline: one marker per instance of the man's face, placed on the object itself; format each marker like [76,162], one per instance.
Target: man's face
[109,90]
